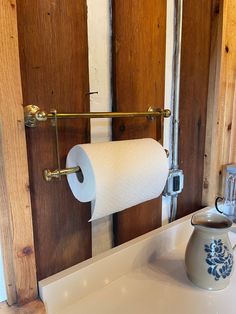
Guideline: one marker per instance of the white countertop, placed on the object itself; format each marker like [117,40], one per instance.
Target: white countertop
[157,285]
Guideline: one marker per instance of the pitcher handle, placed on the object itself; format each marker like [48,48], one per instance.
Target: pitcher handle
[216,204]
[233,229]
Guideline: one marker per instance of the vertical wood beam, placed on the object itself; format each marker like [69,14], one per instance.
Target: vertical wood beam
[195,56]
[54,71]
[232,146]
[220,148]
[15,208]
[139,31]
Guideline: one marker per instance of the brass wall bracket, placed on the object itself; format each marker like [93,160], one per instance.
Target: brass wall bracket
[33,114]
[48,175]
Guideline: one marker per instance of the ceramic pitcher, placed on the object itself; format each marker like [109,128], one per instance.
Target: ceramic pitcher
[209,254]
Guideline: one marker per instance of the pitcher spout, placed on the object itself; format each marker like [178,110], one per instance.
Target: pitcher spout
[211,221]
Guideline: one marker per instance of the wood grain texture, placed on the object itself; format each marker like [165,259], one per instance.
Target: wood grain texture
[232,146]
[195,53]
[54,69]
[221,127]
[213,94]
[34,307]
[15,208]
[226,100]
[138,82]
[6,234]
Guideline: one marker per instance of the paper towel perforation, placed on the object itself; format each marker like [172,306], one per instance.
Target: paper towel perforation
[118,175]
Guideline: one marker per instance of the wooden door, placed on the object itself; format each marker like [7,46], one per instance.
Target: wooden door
[54,70]
[138,82]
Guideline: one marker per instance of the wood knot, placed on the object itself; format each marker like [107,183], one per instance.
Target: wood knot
[26,251]
[12,5]
[226,49]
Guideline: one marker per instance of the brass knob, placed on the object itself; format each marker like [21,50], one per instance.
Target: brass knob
[47,175]
[41,115]
[167,113]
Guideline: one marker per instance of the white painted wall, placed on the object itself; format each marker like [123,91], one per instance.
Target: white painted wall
[99,42]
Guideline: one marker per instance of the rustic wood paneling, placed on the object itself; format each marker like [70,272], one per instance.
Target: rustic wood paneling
[195,53]
[54,69]
[210,159]
[138,81]
[220,148]
[15,209]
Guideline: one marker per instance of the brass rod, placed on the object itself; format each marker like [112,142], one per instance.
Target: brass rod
[48,174]
[57,141]
[165,113]
[33,114]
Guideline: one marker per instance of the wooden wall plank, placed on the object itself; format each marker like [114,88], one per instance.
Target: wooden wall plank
[34,307]
[54,69]
[138,81]
[195,53]
[15,208]
[232,145]
[213,94]
[221,126]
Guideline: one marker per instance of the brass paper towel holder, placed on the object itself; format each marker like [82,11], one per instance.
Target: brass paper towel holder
[33,115]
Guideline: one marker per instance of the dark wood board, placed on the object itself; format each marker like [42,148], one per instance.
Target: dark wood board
[139,29]
[54,70]
[195,60]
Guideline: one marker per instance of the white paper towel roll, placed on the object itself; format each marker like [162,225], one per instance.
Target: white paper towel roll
[118,175]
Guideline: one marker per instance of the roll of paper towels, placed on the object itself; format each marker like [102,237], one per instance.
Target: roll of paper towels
[118,174]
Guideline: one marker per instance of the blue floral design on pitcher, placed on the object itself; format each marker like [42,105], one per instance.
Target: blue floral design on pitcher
[219,259]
